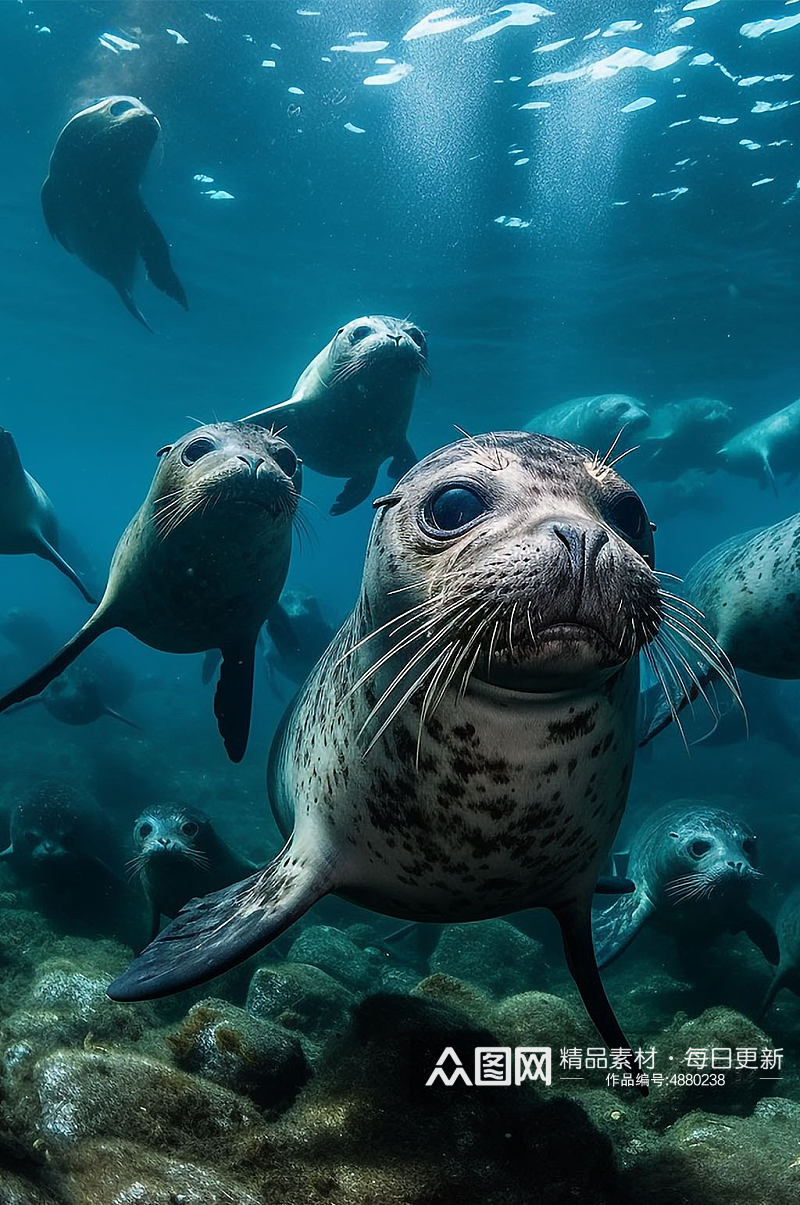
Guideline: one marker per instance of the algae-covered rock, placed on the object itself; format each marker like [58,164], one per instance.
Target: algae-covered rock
[491,954]
[475,1004]
[247,1054]
[335,953]
[17,1190]
[299,997]
[539,1019]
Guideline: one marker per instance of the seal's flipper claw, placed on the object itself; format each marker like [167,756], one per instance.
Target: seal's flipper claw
[761,933]
[43,677]
[210,662]
[233,701]
[404,459]
[213,934]
[356,490]
[49,553]
[132,307]
[614,884]
[616,926]
[154,250]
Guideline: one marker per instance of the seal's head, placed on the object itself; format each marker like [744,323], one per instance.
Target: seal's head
[706,852]
[618,411]
[119,129]
[377,340]
[233,472]
[47,827]
[525,563]
[170,830]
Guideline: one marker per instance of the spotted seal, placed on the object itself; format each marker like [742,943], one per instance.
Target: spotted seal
[55,829]
[28,521]
[464,747]
[694,867]
[201,563]
[350,408]
[787,973]
[593,422]
[91,198]
[179,855]
[767,447]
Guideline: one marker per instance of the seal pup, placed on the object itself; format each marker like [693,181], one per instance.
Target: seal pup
[694,867]
[28,521]
[766,448]
[350,408]
[91,198]
[787,972]
[201,563]
[464,747]
[178,856]
[685,435]
[593,422]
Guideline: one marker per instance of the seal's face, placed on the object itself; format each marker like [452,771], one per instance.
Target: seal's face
[525,563]
[709,853]
[243,473]
[624,413]
[170,832]
[377,339]
[119,128]
[46,827]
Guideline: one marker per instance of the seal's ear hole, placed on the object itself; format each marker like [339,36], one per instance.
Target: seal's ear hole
[163,451]
[698,848]
[653,526]
[675,835]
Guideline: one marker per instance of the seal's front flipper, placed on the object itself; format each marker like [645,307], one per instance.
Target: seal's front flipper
[51,208]
[404,459]
[49,553]
[356,490]
[779,979]
[614,884]
[123,719]
[154,251]
[48,673]
[661,703]
[213,934]
[762,934]
[616,926]
[233,701]
[132,307]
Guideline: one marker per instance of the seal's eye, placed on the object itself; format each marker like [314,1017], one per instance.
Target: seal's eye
[360,332]
[286,460]
[119,107]
[190,828]
[32,838]
[698,848]
[629,516]
[415,334]
[454,508]
[145,830]
[197,449]
[749,845]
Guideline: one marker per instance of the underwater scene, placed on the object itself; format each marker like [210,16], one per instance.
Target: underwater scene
[400,603]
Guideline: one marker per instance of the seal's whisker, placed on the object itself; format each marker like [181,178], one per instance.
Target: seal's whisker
[406,617]
[430,668]
[650,652]
[705,645]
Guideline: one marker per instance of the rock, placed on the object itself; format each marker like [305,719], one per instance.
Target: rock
[455,993]
[335,953]
[491,954]
[299,997]
[538,1019]
[247,1054]
[14,1190]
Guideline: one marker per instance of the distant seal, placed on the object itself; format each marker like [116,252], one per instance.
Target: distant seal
[593,422]
[298,636]
[787,973]
[201,563]
[179,855]
[54,830]
[464,747]
[350,408]
[78,697]
[766,448]
[694,867]
[684,436]
[91,198]
[28,521]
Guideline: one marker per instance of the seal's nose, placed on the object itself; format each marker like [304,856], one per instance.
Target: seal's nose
[737,866]
[583,544]
[253,462]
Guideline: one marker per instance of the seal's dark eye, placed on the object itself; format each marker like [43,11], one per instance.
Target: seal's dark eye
[416,335]
[629,516]
[698,848]
[360,332]
[32,838]
[145,830]
[190,829]
[197,449]
[286,461]
[455,507]
[749,845]
[119,107]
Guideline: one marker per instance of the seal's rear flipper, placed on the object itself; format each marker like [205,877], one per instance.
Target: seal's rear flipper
[404,459]
[49,553]
[213,934]
[779,980]
[233,701]
[210,662]
[48,673]
[132,307]
[762,934]
[154,250]
[616,926]
[356,490]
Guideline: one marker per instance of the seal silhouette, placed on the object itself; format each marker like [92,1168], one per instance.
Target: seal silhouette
[464,747]
[201,563]
[350,407]
[91,198]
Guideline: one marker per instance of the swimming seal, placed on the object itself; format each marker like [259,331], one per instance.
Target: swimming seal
[787,973]
[55,829]
[28,521]
[179,855]
[765,448]
[694,867]
[91,198]
[201,563]
[685,436]
[299,635]
[593,422]
[464,747]
[350,407]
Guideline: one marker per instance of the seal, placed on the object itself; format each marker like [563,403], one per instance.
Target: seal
[76,698]
[765,448]
[28,521]
[746,590]
[694,867]
[464,747]
[201,563]
[593,422]
[350,408]
[54,829]
[685,436]
[91,198]
[787,973]
[299,635]
[179,855]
